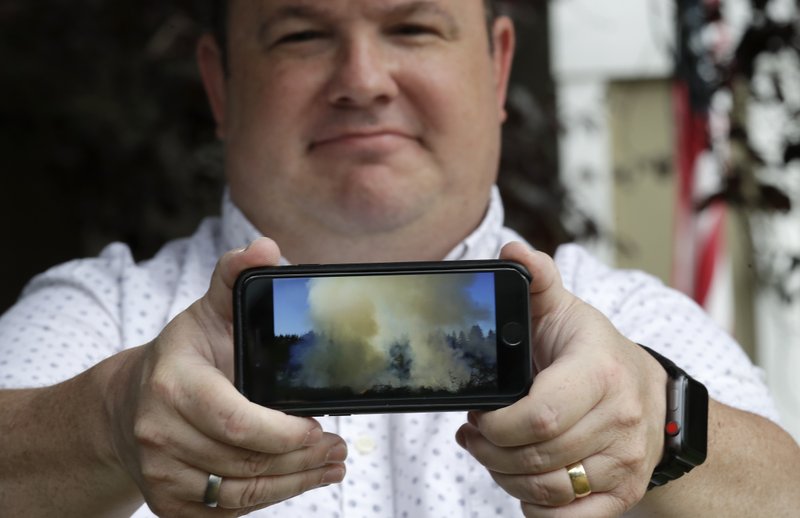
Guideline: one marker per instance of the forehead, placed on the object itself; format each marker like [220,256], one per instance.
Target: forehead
[349,8]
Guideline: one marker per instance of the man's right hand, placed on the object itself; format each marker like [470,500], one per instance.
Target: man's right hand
[177,416]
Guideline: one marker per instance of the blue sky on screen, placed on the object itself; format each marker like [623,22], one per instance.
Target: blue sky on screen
[290,297]
[290,303]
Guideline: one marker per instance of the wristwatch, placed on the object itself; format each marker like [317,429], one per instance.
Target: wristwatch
[686,426]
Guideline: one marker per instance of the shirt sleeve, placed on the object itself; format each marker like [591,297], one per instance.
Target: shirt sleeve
[66,320]
[648,312]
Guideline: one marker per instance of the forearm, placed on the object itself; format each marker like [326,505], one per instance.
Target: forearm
[751,470]
[57,457]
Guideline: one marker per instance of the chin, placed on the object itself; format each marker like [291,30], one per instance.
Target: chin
[384,200]
[377,212]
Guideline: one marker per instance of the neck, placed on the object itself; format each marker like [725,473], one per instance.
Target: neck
[428,238]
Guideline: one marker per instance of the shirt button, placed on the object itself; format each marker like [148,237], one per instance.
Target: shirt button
[365,445]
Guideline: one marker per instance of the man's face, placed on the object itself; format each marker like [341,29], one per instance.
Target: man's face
[360,116]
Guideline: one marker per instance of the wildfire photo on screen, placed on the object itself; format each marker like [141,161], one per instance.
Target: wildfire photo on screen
[377,335]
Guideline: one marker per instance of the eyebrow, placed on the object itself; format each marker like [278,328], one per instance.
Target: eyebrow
[291,12]
[314,12]
[426,7]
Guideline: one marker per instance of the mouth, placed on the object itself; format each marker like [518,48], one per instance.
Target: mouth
[382,140]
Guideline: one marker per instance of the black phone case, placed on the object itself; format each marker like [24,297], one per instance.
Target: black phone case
[356,405]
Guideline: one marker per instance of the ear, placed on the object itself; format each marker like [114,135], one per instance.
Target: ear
[209,60]
[504,42]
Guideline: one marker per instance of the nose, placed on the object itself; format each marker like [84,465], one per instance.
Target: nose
[363,75]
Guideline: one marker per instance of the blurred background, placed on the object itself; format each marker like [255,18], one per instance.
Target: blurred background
[662,134]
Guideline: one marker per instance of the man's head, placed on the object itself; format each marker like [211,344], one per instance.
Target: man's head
[363,128]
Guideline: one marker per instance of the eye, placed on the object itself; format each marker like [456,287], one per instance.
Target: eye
[413,29]
[300,37]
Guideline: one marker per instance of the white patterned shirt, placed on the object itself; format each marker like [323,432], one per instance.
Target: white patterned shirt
[401,465]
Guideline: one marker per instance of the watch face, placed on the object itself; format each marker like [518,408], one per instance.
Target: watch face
[686,427]
[696,440]
[687,422]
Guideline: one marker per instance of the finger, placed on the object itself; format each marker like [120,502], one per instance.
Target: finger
[240,463]
[596,505]
[547,291]
[554,488]
[206,454]
[211,404]
[529,459]
[599,431]
[189,485]
[261,252]
[561,395]
[246,493]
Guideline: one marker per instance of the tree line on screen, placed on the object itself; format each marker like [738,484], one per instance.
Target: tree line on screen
[476,348]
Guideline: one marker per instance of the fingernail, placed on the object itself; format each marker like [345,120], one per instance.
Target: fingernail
[472,418]
[336,454]
[460,439]
[333,476]
[313,437]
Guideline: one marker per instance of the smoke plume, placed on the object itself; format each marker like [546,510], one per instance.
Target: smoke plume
[394,331]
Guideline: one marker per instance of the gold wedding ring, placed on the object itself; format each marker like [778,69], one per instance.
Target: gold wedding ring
[579,480]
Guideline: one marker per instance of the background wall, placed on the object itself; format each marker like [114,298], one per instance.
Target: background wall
[613,63]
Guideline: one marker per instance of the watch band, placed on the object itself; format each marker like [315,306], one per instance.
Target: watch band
[686,424]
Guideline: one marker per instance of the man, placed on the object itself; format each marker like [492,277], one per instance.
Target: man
[362,130]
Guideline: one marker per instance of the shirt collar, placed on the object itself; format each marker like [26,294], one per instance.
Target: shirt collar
[238,231]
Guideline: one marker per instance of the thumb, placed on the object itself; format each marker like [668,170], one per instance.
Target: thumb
[261,252]
[548,294]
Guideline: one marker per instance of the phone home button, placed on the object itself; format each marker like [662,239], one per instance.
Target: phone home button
[512,333]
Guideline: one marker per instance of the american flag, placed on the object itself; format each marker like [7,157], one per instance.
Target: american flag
[701,265]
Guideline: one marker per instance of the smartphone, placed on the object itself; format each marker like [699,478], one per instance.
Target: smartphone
[389,337]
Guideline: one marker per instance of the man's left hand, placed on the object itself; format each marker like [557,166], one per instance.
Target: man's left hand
[598,399]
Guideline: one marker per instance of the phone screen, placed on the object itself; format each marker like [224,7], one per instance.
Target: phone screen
[381,337]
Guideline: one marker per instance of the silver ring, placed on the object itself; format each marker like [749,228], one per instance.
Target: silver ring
[212,490]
